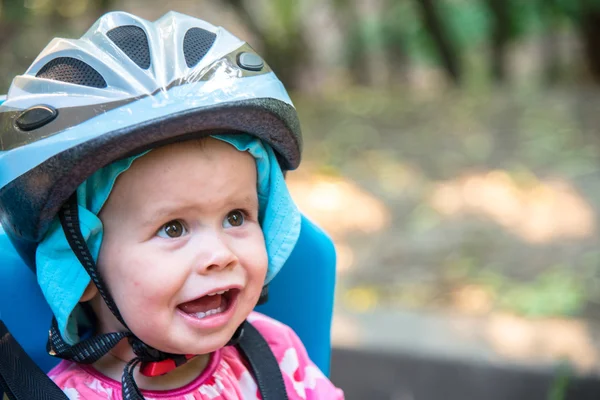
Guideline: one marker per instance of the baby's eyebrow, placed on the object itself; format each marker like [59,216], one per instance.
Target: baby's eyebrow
[164,211]
[249,201]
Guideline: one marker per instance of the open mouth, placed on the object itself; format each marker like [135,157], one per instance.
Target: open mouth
[211,304]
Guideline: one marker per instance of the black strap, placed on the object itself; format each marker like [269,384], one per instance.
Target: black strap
[87,351]
[20,377]
[263,364]
[69,219]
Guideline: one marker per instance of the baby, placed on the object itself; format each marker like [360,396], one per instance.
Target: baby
[175,214]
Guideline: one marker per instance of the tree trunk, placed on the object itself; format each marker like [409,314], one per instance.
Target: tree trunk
[286,60]
[439,33]
[8,31]
[104,6]
[590,32]
[12,17]
[355,45]
[550,45]
[398,63]
[500,37]
[395,46]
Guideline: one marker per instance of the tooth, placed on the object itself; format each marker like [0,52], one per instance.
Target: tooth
[211,294]
[207,313]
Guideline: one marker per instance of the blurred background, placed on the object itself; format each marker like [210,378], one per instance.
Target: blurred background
[452,151]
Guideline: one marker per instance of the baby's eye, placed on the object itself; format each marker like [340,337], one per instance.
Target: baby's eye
[172,229]
[234,218]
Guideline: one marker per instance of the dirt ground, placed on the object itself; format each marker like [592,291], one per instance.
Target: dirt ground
[468,221]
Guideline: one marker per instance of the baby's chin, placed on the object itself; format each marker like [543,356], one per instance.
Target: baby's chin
[185,342]
[195,348]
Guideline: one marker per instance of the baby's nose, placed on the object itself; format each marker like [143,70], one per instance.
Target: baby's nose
[216,254]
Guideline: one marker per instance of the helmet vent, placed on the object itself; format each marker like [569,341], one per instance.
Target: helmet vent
[71,70]
[132,40]
[196,44]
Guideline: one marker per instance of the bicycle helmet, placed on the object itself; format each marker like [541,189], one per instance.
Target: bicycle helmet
[126,86]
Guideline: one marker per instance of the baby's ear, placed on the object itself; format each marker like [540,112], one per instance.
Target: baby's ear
[90,291]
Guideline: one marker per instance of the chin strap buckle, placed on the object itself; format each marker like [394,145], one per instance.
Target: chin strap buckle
[157,368]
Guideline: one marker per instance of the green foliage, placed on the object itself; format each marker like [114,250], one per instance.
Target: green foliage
[469,22]
[398,30]
[575,8]
[284,20]
[525,18]
[553,292]
[561,382]
[402,25]
[12,11]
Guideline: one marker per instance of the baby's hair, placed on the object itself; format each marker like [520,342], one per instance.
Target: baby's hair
[200,141]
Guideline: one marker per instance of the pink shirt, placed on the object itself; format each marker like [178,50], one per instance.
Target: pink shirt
[225,377]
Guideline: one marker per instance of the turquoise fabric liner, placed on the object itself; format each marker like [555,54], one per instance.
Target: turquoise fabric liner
[63,279]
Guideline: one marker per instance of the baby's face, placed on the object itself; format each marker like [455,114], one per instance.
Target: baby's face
[180,225]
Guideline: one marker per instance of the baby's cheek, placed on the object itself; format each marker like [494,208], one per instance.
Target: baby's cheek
[148,278]
[149,305]
[256,262]
[259,253]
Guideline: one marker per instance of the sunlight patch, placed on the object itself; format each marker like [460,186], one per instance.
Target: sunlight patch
[538,213]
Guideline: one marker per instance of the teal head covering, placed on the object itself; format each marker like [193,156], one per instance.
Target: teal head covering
[62,278]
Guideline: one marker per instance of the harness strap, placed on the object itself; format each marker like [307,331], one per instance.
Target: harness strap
[20,377]
[263,364]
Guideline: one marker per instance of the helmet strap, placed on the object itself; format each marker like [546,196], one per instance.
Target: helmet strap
[264,295]
[69,219]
